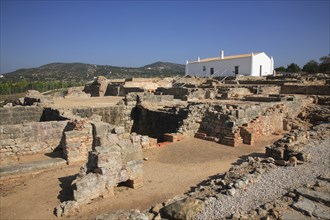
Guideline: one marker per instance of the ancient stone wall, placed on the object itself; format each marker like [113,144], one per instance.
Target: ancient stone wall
[116,157]
[115,115]
[305,89]
[29,138]
[155,123]
[234,124]
[98,87]
[269,89]
[178,93]
[77,143]
[20,114]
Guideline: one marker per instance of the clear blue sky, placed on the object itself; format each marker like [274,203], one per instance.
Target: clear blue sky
[136,33]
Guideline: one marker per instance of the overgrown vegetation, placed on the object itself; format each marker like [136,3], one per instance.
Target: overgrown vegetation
[310,67]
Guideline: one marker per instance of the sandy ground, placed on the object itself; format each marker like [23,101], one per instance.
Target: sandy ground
[169,171]
[86,102]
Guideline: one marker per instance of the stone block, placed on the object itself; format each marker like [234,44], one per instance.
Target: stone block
[89,187]
[240,113]
[119,130]
[132,155]
[183,209]
[275,152]
[108,159]
[135,183]
[312,208]
[314,195]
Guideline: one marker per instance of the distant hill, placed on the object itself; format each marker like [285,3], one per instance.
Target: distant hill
[80,72]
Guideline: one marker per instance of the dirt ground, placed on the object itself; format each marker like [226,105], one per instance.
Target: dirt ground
[86,102]
[169,171]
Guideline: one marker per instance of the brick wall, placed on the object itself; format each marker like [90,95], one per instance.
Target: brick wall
[77,144]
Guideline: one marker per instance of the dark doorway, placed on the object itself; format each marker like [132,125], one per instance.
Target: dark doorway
[236,70]
[211,71]
[155,123]
[260,70]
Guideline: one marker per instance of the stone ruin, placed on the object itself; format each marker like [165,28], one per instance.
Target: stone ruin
[108,141]
[113,157]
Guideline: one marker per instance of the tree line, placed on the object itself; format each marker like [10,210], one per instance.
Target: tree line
[311,66]
[8,88]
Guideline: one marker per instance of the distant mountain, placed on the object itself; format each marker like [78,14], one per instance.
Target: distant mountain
[80,72]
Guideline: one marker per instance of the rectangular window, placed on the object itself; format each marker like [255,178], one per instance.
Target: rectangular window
[211,71]
[204,68]
[236,70]
[260,70]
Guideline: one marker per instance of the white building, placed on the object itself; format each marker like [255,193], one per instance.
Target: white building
[252,64]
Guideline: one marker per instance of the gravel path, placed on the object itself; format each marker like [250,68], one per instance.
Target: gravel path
[274,184]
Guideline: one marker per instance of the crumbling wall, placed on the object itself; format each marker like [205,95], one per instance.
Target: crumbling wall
[155,123]
[269,89]
[20,114]
[287,147]
[178,93]
[237,123]
[29,138]
[78,141]
[116,157]
[183,93]
[305,89]
[115,115]
[98,87]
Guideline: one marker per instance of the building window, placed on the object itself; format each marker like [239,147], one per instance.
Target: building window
[236,70]
[204,68]
[260,70]
[211,71]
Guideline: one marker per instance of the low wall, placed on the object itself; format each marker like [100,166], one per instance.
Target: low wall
[116,157]
[29,138]
[305,89]
[237,123]
[116,115]
[178,93]
[98,87]
[20,114]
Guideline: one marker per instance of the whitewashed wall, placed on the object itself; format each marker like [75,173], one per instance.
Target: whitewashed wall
[221,67]
[248,66]
[266,63]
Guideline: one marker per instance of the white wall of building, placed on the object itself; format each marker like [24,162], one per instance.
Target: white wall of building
[263,62]
[248,66]
[221,67]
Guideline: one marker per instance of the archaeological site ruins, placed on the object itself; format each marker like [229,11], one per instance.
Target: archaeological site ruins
[172,148]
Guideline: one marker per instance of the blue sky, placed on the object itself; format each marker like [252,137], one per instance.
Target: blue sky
[136,33]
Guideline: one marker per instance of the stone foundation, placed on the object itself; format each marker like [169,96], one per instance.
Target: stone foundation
[77,144]
[305,89]
[235,124]
[29,138]
[20,114]
[116,157]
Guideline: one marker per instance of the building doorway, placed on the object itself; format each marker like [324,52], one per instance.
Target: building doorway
[260,70]
[211,71]
[236,70]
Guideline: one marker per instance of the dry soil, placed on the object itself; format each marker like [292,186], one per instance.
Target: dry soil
[169,171]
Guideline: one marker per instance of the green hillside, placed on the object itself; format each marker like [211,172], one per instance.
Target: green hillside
[81,72]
